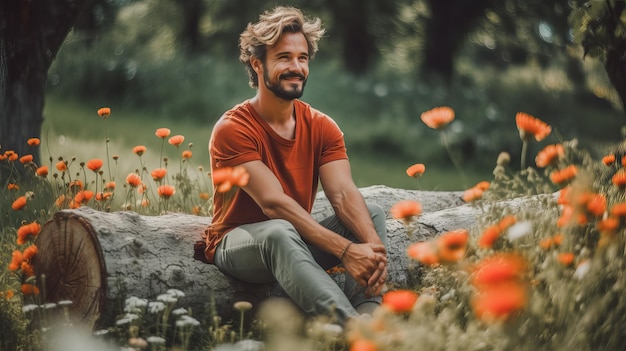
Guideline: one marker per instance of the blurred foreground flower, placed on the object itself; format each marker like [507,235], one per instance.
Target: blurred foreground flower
[438,117]
[400,301]
[225,178]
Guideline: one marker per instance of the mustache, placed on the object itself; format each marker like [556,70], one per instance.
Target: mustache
[289,75]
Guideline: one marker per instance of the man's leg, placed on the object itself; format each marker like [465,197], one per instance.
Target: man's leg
[273,251]
[354,292]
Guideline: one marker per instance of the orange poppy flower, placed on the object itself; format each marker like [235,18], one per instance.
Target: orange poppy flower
[94,164]
[27,270]
[423,252]
[489,236]
[225,178]
[438,117]
[363,345]
[30,252]
[571,216]
[76,185]
[103,196]
[498,268]
[416,170]
[558,239]
[26,159]
[566,258]
[564,175]
[506,222]
[472,194]
[60,201]
[596,205]
[483,185]
[204,196]
[608,225]
[619,179]
[166,191]
[549,155]
[19,203]
[139,150]
[176,140]
[187,154]
[162,133]
[104,112]
[133,179]
[499,302]
[42,171]
[530,126]
[406,210]
[608,160]
[16,260]
[30,289]
[546,243]
[27,231]
[563,198]
[624,161]
[12,186]
[158,174]
[110,185]
[61,166]
[33,141]
[400,301]
[451,245]
[83,196]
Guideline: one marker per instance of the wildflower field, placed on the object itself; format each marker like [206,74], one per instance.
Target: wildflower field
[548,278]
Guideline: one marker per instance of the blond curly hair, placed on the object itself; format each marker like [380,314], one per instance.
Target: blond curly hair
[271,25]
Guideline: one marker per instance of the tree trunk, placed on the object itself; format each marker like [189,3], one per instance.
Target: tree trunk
[97,259]
[31,33]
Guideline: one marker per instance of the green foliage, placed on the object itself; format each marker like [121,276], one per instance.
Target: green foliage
[597,25]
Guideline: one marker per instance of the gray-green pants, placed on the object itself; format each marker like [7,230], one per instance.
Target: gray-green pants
[274,251]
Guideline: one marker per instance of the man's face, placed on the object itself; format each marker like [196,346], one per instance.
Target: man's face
[286,66]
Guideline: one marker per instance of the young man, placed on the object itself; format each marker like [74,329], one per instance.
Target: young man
[264,232]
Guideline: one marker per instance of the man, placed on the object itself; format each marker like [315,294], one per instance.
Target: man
[264,232]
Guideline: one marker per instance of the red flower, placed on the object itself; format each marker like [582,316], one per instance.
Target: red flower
[608,160]
[61,166]
[42,171]
[363,345]
[12,186]
[225,178]
[94,164]
[530,126]
[400,301]
[566,258]
[19,203]
[133,179]
[498,268]
[489,236]
[438,117]
[33,141]
[451,245]
[162,133]
[26,231]
[472,194]
[158,174]
[416,170]
[187,154]
[549,155]
[619,179]
[26,159]
[564,175]
[406,210]
[104,112]
[139,150]
[166,191]
[500,301]
[176,140]
[30,289]
[423,252]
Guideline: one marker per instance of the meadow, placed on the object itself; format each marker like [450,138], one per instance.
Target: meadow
[532,280]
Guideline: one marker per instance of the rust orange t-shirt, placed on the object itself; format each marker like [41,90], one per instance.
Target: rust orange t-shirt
[241,135]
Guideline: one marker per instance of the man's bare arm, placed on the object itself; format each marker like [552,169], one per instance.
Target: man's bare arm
[267,192]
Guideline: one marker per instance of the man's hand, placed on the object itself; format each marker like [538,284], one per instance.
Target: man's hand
[367,264]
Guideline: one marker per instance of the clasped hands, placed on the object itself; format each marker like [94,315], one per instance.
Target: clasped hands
[367,264]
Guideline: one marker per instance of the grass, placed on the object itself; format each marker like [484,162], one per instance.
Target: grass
[553,270]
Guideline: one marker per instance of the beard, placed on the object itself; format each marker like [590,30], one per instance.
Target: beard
[294,91]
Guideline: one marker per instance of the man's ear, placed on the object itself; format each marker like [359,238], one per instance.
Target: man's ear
[256,64]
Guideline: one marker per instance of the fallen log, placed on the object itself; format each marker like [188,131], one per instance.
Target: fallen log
[97,259]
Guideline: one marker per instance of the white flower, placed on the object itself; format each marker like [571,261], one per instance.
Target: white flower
[582,269]
[29,308]
[167,298]
[49,305]
[156,307]
[65,303]
[155,340]
[519,229]
[179,311]
[187,320]
[134,304]
[176,293]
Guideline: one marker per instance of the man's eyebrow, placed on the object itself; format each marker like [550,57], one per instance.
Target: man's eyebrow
[289,53]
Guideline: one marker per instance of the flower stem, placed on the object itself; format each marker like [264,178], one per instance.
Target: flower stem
[453,158]
[523,156]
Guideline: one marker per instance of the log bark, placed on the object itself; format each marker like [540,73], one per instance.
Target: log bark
[97,259]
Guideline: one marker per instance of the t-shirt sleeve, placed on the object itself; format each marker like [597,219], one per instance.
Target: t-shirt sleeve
[333,144]
[231,145]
